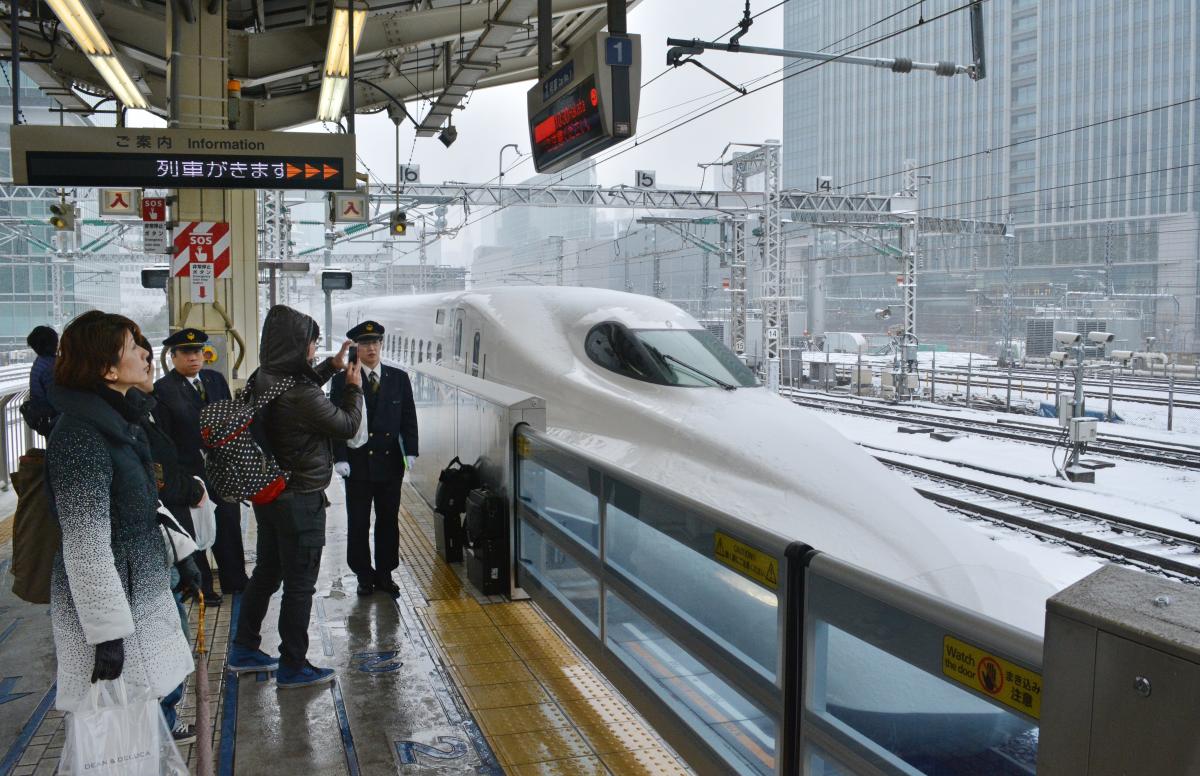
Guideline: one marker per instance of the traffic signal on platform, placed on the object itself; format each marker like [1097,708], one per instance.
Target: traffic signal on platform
[399,223]
[62,217]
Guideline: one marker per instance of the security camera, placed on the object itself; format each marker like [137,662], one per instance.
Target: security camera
[1067,338]
[1100,337]
[1122,355]
[1058,357]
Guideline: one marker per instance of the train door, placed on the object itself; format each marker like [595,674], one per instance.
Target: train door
[456,338]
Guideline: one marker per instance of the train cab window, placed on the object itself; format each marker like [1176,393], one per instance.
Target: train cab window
[475,357]
[682,357]
[439,354]
[458,338]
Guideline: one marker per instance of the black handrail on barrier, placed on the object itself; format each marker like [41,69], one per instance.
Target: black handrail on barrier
[798,556]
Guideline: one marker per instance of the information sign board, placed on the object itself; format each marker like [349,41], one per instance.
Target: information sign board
[201,241]
[154,209]
[119,202]
[154,237]
[181,158]
[587,104]
[203,282]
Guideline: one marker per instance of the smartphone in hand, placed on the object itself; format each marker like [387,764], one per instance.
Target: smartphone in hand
[353,354]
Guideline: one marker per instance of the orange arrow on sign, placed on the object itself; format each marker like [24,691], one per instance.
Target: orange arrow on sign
[310,171]
[293,171]
[330,171]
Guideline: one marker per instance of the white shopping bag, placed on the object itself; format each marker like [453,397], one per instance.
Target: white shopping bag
[204,520]
[115,734]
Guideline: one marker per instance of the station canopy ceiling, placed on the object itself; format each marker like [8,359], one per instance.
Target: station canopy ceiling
[433,51]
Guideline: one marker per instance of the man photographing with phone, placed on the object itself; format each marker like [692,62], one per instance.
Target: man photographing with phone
[374,471]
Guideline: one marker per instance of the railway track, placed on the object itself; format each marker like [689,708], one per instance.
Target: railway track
[1185,395]
[1118,539]
[1128,448]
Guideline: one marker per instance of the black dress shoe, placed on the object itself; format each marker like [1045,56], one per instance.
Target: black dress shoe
[388,586]
[365,588]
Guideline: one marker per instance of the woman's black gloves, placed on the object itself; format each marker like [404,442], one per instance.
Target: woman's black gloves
[110,659]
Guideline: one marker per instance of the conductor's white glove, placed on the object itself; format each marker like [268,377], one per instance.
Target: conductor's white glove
[342,468]
[408,463]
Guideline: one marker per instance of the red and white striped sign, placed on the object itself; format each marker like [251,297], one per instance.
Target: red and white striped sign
[201,241]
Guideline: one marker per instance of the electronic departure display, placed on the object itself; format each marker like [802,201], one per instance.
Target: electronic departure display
[183,171]
[588,103]
[569,124]
[143,157]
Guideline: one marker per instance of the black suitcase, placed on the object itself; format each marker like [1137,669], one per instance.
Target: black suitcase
[448,536]
[485,517]
[487,567]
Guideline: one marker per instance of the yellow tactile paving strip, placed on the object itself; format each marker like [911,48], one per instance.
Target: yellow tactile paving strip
[542,707]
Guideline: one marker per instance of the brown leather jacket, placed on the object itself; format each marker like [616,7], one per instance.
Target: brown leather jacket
[302,424]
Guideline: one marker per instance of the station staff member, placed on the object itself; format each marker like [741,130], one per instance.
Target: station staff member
[181,393]
[375,471]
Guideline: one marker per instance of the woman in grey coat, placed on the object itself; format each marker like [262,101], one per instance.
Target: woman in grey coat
[111,606]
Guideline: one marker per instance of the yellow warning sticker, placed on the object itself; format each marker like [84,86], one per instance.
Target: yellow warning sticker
[744,559]
[992,676]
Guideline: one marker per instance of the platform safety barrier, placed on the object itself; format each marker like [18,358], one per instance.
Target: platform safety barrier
[752,653]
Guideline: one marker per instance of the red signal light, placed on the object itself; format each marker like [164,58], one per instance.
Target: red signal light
[595,97]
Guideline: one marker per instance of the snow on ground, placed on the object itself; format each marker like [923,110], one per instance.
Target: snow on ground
[1158,495]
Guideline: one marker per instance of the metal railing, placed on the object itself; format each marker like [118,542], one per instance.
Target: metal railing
[749,651]
[17,437]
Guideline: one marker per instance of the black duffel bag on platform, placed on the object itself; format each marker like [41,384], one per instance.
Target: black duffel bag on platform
[454,483]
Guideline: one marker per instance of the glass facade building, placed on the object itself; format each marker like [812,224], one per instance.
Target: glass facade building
[1083,132]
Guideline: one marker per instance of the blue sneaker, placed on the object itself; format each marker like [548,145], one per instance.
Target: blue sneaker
[243,660]
[305,676]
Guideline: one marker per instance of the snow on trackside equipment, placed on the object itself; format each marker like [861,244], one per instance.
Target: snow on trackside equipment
[236,461]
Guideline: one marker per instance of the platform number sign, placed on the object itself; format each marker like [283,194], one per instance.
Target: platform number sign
[824,183]
[645,179]
[618,51]
[408,174]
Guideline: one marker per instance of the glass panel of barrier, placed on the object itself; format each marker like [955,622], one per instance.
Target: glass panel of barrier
[556,571]
[874,677]
[717,712]
[558,489]
[668,551]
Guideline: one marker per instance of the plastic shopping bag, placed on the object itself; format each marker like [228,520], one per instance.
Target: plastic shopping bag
[118,733]
[204,520]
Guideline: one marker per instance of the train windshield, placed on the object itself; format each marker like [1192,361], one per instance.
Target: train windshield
[683,357]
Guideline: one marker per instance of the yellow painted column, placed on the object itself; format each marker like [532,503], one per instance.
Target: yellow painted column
[197,78]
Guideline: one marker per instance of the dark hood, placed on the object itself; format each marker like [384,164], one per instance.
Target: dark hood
[284,345]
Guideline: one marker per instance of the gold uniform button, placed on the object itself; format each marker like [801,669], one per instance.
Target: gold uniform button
[370,452]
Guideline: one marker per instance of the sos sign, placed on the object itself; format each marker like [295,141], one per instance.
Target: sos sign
[201,242]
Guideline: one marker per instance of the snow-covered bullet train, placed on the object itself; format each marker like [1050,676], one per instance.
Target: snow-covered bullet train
[639,383]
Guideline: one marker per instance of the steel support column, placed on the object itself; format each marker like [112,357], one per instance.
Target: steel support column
[198,73]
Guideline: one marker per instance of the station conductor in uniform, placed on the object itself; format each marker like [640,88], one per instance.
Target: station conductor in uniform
[374,471]
[181,394]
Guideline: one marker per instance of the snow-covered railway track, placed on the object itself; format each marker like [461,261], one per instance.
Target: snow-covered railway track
[1115,538]
[1114,446]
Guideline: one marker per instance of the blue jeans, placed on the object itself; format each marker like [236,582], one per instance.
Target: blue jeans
[176,695]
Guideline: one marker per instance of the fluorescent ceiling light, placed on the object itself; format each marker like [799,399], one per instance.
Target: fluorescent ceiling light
[333,97]
[82,24]
[90,38]
[336,73]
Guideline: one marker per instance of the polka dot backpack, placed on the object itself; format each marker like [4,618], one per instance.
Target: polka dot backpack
[236,460]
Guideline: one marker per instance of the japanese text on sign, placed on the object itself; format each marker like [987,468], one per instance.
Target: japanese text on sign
[747,560]
[992,676]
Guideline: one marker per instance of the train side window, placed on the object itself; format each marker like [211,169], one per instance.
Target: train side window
[440,318]
[429,350]
[475,357]
[458,338]
[421,352]
[439,353]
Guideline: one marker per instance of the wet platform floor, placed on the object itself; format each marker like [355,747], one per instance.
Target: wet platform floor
[439,681]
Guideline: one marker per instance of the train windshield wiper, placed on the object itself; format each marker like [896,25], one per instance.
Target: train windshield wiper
[690,368]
